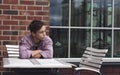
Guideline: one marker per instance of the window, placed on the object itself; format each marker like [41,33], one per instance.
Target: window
[77,24]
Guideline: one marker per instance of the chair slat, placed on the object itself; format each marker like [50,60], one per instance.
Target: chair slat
[13,56]
[92,59]
[87,68]
[94,53]
[12,46]
[97,50]
[13,51]
[90,64]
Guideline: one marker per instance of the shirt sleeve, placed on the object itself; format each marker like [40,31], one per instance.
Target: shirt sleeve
[24,49]
[48,49]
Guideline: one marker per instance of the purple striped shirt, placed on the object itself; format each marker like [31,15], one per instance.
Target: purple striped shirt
[27,45]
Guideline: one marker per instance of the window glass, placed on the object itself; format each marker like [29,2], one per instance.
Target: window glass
[80,29]
[60,42]
[117,43]
[80,13]
[80,39]
[117,13]
[102,13]
[59,12]
[102,39]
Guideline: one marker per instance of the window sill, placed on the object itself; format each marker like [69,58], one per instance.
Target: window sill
[106,61]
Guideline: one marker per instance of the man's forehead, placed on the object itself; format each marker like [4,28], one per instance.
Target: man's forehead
[43,28]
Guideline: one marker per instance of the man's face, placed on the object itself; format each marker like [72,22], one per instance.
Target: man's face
[40,34]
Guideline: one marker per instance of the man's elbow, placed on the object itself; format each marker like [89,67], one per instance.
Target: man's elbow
[47,56]
[23,56]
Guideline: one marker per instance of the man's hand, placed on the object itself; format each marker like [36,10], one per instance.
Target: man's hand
[36,53]
[37,56]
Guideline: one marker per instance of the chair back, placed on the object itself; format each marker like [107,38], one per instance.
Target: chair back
[92,59]
[13,51]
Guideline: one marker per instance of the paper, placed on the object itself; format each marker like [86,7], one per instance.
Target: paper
[19,62]
[48,61]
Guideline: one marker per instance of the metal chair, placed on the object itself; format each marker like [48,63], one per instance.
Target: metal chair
[13,51]
[91,60]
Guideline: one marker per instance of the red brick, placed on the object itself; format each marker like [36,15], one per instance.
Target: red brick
[41,3]
[17,7]
[45,0]
[34,7]
[10,22]
[41,13]
[115,69]
[46,23]
[0,32]
[110,73]
[6,32]
[15,38]
[25,22]
[2,17]
[46,8]
[1,64]
[5,54]
[106,69]
[4,38]
[46,18]
[66,70]
[10,12]
[0,22]
[23,28]
[0,11]
[4,6]
[26,13]
[4,69]
[18,27]
[13,42]
[2,47]
[0,42]
[26,2]
[24,32]
[15,27]
[10,1]
[18,17]
[1,53]
[20,36]
[0,58]
[4,27]
[10,32]
[8,73]
[34,17]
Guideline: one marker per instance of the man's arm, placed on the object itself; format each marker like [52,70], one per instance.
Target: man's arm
[47,51]
[24,49]
[25,52]
[36,54]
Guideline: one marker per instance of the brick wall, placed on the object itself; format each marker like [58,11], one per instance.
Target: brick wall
[15,16]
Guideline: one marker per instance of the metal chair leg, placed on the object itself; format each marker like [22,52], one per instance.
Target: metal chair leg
[100,73]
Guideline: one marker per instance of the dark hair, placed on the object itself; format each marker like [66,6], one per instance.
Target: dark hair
[35,25]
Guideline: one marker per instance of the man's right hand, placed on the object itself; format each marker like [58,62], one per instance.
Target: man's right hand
[36,53]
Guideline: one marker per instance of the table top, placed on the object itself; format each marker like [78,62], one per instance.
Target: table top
[34,63]
[50,63]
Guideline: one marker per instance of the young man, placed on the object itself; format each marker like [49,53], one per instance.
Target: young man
[37,44]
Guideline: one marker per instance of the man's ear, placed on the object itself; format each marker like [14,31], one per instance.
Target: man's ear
[33,34]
